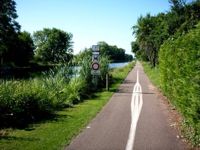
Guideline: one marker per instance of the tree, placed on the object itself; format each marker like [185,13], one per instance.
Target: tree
[134,47]
[25,49]
[128,57]
[177,5]
[150,33]
[143,31]
[9,30]
[114,53]
[53,45]
[139,53]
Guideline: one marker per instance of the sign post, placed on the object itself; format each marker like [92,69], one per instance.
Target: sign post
[95,61]
[95,68]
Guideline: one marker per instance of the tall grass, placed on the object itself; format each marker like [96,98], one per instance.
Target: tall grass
[24,101]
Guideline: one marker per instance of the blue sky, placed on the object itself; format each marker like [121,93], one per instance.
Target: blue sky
[90,21]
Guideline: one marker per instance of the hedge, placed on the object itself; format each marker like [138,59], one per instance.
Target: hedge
[179,63]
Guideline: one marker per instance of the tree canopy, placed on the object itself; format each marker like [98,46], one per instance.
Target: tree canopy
[16,47]
[9,30]
[152,31]
[116,54]
[25,49]
[53,45]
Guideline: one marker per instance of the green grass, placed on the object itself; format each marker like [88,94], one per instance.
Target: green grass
[153,74]
[57,132]
[119,74]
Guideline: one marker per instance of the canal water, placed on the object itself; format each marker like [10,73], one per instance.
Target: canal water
[111,66]
[117,65]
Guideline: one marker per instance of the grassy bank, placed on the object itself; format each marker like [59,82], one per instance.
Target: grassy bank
[57,132]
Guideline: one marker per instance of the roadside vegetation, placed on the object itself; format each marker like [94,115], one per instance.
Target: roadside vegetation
[180,78]
[43,86]
[153,73]
[56,131]
[28,100]
[39,73]
[169,43]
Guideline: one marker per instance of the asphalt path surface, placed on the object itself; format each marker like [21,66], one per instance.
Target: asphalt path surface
[134,118]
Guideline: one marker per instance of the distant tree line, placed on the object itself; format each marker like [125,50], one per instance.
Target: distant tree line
[152,31]
[115,54]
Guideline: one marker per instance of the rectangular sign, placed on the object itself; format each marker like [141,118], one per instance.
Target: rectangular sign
[95,48]
[95,72]
[95,67]
[95,58]
[95,53]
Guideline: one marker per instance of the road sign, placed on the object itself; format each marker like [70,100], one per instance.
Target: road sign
[95,52]
[95,60]
[95,48]
[95,66]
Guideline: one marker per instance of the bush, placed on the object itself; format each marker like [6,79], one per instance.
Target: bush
[74,89]
[179,60]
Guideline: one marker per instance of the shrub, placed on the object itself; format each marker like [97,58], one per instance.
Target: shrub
[74,89]
[179,60]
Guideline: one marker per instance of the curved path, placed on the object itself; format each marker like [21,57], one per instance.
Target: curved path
[134,118]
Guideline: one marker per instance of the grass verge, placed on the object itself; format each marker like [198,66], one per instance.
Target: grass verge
[57,132]
[153,74]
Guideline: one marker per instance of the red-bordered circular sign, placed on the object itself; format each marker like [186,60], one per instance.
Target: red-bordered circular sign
[95,66]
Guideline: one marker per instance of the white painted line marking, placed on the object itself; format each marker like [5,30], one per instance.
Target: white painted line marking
[136,107]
